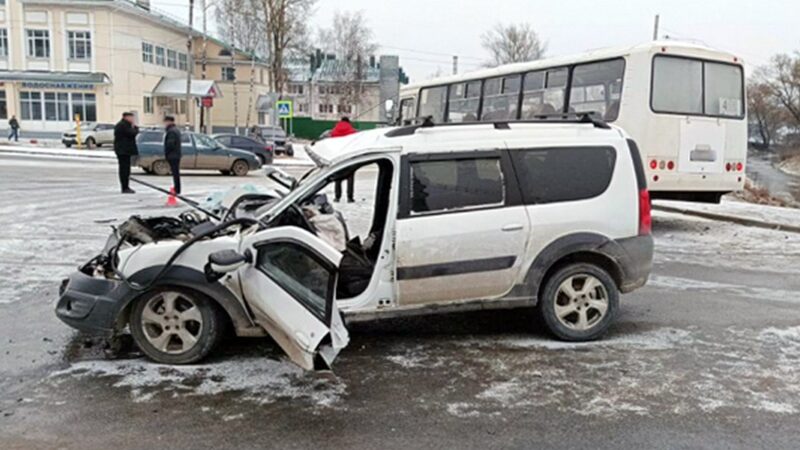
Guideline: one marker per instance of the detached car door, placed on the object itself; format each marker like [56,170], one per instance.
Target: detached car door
[290,287]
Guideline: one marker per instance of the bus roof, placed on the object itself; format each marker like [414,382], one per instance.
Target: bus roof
[691,49]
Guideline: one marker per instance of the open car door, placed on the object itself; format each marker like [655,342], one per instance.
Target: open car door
[290,287]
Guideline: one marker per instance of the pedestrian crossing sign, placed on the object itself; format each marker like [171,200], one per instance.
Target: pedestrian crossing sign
[284,108]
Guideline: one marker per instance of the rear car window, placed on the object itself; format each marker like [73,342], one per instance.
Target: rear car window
[454,184]
[562,174]
[151,136]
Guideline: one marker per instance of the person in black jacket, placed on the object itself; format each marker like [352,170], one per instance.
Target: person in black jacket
[172,151]
[125,132]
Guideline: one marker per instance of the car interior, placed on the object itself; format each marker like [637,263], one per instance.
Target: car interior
[357,237]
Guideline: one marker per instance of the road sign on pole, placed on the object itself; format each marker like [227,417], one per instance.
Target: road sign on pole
[284,108]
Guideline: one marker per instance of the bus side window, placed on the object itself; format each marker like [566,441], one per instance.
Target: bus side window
[500,97]
[432,103]
[463,102]
[543,92]
[406,111]
[597,87]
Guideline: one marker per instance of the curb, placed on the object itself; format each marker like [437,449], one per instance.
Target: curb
[728,218]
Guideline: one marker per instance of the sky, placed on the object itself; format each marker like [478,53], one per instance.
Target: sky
[427,33]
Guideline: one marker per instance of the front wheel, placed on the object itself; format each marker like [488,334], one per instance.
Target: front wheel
[90,143]
[579,302]
[240,168]
[173,325]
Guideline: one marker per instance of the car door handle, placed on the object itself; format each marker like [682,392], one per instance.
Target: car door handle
[512,227]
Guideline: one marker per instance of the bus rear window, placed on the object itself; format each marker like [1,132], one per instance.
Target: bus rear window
[431,103]
[691,86]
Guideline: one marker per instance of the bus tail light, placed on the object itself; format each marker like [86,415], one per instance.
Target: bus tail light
[739,166]
[670,165]
[728,167]
[653,164]
[645,218]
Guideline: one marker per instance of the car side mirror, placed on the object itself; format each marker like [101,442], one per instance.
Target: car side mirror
[225,261]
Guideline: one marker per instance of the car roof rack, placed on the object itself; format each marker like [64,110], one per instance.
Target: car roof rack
[591,117]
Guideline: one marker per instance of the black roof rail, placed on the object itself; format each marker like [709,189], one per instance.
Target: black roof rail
[568,117]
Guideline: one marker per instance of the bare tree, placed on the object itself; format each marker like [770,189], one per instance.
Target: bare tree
[275,28]
[512,43]
[351,40]
[783,78]
[766,113]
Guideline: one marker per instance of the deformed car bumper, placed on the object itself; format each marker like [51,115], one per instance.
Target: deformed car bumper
[89,304]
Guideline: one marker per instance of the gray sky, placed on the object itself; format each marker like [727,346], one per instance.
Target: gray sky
[426,33]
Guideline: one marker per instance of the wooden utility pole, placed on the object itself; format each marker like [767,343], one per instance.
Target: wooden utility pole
[203,62]
[655,28]
[189,63]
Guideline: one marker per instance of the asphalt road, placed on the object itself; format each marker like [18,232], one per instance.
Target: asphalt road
[706,356]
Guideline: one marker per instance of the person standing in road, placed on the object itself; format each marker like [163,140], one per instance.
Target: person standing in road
[344,128]
[172,151]
[13,124]
[125,132]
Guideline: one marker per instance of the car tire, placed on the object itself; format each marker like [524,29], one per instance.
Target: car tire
[68,145]
[183,334]
[90,143]
[240,168]
[579,302]
[161,167]
[289,151]
[262,159]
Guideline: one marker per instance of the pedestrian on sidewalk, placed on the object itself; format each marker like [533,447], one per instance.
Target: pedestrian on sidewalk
[344,128]
[172,151]
[125,132]
[13,124]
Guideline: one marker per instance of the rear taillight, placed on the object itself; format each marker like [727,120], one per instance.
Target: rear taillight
[645,219]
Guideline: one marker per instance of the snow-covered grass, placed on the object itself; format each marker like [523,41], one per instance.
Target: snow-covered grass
[791,165]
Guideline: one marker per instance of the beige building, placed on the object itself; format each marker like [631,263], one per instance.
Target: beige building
[99,58]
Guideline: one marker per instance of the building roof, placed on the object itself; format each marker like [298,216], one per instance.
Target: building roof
[176,87]
[333,70]
[54,77]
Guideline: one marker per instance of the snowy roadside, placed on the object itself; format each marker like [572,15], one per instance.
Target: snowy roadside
[781,217]
[299,159]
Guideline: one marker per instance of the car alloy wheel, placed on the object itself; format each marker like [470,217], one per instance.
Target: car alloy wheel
[240,168]
[174,325]
[161,167]
[581,302]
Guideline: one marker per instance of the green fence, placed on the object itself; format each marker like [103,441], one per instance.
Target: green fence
[307,128]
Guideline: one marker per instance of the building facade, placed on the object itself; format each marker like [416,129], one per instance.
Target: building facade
[95,59]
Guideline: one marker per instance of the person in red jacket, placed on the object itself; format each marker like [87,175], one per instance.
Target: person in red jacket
[344,128]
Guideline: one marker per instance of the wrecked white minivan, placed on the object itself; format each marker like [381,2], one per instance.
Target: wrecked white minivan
[553,215]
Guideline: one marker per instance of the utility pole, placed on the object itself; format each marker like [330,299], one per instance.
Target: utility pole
[189,63]
[203,62]
[655,28]
[455,64]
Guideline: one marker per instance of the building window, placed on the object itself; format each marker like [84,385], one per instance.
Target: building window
[172,59]
[80,45]
[183,61]
[302,107]
[38,44]
[147,52]
[148,105]
[296,89]
[3,43]
[228,73]
[56,106]
[160,56]
[325,108]
[85,105]
[3,105]
[30,105]
[346,109]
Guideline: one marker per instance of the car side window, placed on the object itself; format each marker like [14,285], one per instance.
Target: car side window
[300,273]
[454,184]
[224,140]
[151,137]
[241,142]
[548,175]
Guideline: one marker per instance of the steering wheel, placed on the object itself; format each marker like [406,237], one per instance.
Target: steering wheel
[307,223]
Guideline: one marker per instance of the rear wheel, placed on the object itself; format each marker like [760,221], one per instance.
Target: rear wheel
[579,302]
[289,151]
[174,325]
[161,167]
[240,168]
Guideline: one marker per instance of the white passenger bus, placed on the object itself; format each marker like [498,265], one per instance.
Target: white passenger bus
[682,103]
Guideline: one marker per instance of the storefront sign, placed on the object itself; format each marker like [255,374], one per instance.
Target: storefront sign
[208,102]
[57,85]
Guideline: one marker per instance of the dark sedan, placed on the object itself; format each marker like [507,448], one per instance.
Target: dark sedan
[263,151]
[198,152]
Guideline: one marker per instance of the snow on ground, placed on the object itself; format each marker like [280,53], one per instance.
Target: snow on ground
[791,166]
[733,207]
[256,379]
